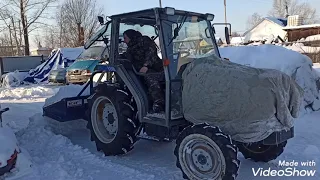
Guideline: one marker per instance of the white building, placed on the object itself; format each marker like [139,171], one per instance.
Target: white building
[237,40]
[269,27]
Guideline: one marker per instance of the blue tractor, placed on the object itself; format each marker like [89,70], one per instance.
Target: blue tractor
[117,110]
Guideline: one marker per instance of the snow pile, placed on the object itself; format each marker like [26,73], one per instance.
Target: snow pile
[27,92]
[237,40]
[316,66]
[13,79]
[71,90]
[301,48]
[313,38]
[292,63]
[56,157]
[60,58]
[22,168]
[8,143]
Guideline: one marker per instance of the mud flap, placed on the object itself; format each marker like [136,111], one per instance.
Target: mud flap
[279,137]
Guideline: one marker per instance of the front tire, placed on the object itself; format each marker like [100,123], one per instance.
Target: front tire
[112,121]
[204,152]
[261,153]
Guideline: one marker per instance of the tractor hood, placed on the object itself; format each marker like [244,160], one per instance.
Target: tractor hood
[84,65]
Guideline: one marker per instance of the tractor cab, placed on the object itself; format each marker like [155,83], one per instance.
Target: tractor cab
[180,35]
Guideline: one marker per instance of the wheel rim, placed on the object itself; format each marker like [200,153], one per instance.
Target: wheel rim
[104,119]
[201,158]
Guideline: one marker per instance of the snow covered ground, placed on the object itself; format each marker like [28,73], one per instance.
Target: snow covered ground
[71,155]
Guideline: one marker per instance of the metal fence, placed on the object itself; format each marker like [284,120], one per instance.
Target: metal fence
[20,63]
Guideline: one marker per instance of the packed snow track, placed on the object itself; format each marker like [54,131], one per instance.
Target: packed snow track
[64,151]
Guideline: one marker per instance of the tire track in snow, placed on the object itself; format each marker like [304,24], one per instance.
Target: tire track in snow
[55,157]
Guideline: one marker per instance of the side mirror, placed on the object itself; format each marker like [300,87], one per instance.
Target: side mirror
[227,35]
[101,20]
[227,31]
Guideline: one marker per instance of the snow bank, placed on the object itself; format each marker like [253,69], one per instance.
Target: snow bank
[13,79]
[57,157]
[313,38]
[71,90]
[301,48]
[27,92]
[237,40]
[294,64]
[316,66]
[8,143]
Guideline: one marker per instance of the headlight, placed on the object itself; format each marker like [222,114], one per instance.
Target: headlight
[86,72]
[210,17]
[170,10]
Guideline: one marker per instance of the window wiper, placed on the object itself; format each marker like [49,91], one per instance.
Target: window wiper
[177,29]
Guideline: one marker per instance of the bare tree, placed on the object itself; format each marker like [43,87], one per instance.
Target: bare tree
[284,8]
[10,26]
[253,20]
[51,37]
[77,18]
[31,14]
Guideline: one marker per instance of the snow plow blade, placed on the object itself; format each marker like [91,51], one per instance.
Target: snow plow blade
[67,109]
[72,108]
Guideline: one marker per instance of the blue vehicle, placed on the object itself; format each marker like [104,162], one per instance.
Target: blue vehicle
[81,70]
[118,110]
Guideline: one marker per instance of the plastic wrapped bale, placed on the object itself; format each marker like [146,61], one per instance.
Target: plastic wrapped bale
[247,103]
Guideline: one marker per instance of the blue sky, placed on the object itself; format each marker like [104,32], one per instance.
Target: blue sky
[238,11]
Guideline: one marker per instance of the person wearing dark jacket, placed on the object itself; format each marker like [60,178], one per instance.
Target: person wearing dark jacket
[142,52]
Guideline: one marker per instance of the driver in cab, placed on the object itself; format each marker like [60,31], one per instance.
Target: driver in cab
[142,52]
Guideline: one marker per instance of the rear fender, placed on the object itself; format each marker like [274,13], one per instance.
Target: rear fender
[131,80]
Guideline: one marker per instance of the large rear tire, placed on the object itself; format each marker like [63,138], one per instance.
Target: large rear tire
[261,153]
[204,152]
[112,121]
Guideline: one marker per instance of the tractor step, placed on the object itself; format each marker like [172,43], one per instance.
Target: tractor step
[151,138]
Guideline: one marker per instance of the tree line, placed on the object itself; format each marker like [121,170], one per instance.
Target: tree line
[71,24]
[284,8]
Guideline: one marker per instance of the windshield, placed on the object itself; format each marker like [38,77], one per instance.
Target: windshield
[96,36]
[94,52]
[186,37]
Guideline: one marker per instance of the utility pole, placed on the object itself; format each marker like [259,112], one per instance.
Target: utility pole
[287,9]
[225,11]
[160,3]
[60,38]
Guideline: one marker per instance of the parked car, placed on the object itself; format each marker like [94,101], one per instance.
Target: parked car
[58,76]
[80,71]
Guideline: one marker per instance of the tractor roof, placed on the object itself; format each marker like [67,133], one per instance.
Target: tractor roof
[150,13]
